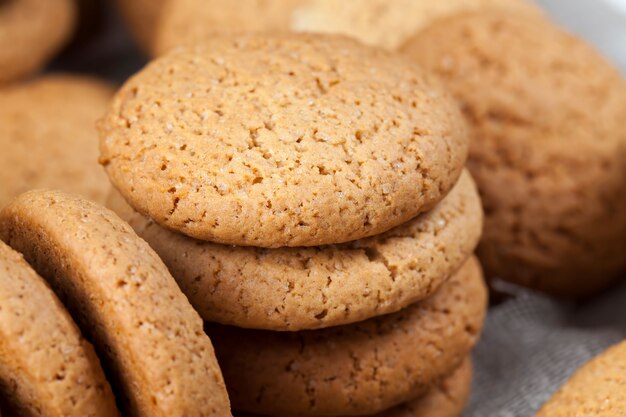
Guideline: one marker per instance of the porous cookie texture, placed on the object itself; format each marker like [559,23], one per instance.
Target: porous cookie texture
[361,368]
[46,367]
[48,136]
[31,32]
[382,23]
[124,300]
[142,17]
[309,288]
[598,389]
[548,148]
[445,399]
[275,140]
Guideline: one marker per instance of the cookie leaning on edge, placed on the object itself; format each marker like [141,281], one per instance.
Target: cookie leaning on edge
[32,31]
[598,389]
[48,137]
[124,299]
[357,369]
[309,288]
[46,367]
[282,140]
[548,151]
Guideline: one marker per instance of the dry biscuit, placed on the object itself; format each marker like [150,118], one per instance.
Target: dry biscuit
[31,32]
[446,399]
[48,136]
[124,299]
[361,368]
[46,367]
[310,288]
[382,23]
[598,389]
[271,141]
[548,148]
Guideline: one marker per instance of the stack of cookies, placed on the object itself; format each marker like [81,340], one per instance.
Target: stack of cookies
[308,195]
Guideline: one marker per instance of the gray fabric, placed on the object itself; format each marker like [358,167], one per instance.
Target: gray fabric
[531,344]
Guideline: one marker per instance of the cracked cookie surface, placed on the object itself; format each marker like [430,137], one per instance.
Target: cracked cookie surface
[361,368]
[308,288]
[48,136]
[445,399]
[548,149]
[598,389]
[282,140]
[46,367]
[124,300]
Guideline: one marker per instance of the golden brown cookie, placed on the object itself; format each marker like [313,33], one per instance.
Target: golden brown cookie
[124,299]
[271,141]
[48,136]
[548,147]
[383,23]
[31,32]
[357,369]
[598,389]
[46,367]
[446,399]
[309,288]
[142,17]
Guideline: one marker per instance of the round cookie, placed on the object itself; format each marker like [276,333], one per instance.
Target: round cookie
[310,288]
[124,299]
[46,367]
[31,32]
[382,23]
[282,140]
[548,149]
[446,399]
[48,136]
[358,369]
[598,389]
[141,17]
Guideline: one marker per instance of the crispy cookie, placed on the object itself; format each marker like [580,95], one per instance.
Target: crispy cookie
[272,141]
[124,299]
[361,368]
[446,399]
[48,136]
[31,32]
[309,288]
[548,148]
[598,389]
[46,367]
[383,23]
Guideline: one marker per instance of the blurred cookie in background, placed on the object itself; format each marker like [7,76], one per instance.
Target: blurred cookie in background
[382,23]
[48,136]
[142,17]
[548,147]
[31,33]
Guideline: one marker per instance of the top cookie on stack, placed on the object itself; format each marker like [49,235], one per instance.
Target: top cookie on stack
[273,141]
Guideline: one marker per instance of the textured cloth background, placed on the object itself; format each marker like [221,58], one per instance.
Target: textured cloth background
[531,344]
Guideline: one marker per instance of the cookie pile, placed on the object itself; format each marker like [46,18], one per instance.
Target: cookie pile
[308,195]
